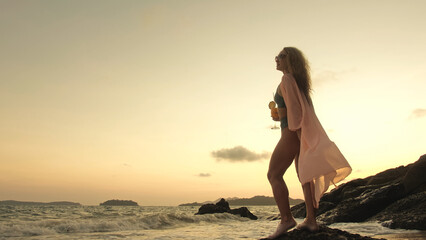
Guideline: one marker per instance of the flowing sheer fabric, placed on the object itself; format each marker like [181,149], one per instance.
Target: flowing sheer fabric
[320,161]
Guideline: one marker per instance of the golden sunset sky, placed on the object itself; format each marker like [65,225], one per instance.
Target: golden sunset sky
[166,102]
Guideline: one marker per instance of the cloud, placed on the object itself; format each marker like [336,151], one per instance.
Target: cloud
[418,113]
[238,154]
[204,175]
[327,76]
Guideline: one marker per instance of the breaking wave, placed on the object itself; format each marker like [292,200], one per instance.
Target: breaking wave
[153,221]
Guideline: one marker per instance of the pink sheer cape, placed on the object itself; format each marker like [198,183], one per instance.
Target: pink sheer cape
[319,161]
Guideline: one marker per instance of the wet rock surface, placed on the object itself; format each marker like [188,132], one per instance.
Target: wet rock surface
[406,213]
[396,197]
[324,233]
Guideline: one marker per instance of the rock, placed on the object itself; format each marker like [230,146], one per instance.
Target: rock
[223,207]
[416,175]
[389,176]
[407,213]
[299,211]
[243,212]
[224,204]
[369,202]
[212,208]
[363,199]
[324,233]
[363,207]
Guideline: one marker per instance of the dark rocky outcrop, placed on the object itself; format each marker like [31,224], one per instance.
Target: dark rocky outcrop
[415,178]
[119,203]
[407,213]
[243,212]
[223,207]
[324,233]
[396,197]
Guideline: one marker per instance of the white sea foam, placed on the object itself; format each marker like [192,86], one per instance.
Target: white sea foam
[368,228]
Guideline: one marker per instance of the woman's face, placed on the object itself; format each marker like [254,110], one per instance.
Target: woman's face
[280,60]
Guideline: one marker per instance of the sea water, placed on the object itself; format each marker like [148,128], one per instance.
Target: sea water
[106,222]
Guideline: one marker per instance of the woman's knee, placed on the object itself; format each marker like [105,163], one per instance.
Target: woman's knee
[274,176]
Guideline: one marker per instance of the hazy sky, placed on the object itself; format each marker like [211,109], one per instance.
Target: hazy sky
[166,102]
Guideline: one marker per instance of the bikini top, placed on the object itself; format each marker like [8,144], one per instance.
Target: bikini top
[279,100]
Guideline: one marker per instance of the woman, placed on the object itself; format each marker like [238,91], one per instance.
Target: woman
[318,161]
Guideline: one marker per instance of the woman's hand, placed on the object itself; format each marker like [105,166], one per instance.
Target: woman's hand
[274,114]
[282,113]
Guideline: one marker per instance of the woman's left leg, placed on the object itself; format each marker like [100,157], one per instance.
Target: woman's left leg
[308,192]
[310,222]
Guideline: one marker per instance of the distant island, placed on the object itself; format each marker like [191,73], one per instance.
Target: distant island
[21,203]
[254,201]
[117,202]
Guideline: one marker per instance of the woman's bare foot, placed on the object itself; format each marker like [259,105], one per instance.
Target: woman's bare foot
[282,228]
[311,226]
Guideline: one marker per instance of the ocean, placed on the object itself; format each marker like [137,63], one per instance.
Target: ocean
[106,222]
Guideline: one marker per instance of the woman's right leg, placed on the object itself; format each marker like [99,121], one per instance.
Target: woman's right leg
[281,159]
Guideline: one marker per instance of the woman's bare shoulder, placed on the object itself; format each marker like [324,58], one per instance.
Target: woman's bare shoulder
[287,79]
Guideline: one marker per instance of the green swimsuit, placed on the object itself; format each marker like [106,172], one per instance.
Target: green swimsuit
[281,104]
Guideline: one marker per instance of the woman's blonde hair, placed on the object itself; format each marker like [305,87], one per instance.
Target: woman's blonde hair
[298,66]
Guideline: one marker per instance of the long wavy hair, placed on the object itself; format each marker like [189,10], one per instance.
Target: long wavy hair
[298,66]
